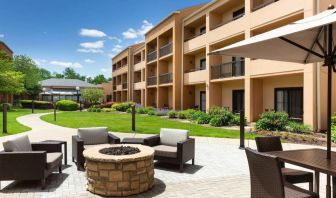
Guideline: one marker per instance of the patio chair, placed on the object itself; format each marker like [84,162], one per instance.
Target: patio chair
[267,180]
[89,137]
[22,160]
[293,176]
[172,146]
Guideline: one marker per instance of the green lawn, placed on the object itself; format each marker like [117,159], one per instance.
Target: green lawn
[13,126]
[144,124]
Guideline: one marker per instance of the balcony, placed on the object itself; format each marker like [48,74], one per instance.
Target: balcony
[195,76]
[228,21]
[151,80]
[151,56]
[124,86]
[167,49]
[119,87]
[139,85]
[263,4]
[227,70]
[139,66]
[166,78]
[114,87]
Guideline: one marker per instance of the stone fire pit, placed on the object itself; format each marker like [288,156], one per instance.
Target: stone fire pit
[119,175]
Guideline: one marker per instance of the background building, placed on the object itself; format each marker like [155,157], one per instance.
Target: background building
[63,89]
[6,97]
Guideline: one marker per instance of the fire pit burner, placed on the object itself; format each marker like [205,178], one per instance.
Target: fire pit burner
[120,150]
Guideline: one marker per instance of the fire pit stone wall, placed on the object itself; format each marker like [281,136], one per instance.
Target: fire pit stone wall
[124,175]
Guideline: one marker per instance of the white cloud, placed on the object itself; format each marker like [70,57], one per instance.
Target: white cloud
[111,55]
[117,48]
[91,33]
[66,64]
[95,51]
[93,45]
[2,36]
[131,33]
[115,38]
[39,62]
[89,61]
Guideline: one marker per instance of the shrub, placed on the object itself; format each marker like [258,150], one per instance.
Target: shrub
[216,121]
[333,133]
[217,111]
[272,121]
[67,105]
[105,105]
[236,120]
[182,115]
[129,110]
[161,112]
[333,119]
[122,106]
[203,118]
[195,114]
[189,113]
[149,109]
[296,127]
[9,106]
[151,112]
[140,110]
[37,104]
[172,114]
[106,109]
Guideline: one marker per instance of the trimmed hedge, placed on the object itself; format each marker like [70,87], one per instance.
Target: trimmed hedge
[27,104]
[122,106]
[273,121]
[172,114]
[67,105]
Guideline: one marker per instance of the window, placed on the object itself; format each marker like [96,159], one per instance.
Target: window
[202,64]
[289,100]
[238,13]
[202,30]
[238,100]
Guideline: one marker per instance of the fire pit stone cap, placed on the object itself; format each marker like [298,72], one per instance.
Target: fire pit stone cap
[94,154]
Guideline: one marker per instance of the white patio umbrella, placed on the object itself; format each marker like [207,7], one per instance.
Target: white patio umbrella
[309,40]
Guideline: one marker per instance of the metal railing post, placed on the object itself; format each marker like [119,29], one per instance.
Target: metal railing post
[4,118]
[133,117]
[242,130]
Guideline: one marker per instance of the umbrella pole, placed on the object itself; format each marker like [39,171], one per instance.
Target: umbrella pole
[330,65]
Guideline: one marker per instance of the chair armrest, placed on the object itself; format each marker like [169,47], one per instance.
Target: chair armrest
[23,165]
[112,139]
[77,146]
[50,147]
[152,141]
[186,150]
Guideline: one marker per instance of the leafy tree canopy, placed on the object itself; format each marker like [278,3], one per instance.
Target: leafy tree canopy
[27,66]
[99,79]
[70,73]
[44,74]
[93,95]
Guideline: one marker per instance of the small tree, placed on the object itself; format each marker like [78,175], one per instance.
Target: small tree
[93,95]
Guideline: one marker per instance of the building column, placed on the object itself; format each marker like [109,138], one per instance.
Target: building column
[309,95]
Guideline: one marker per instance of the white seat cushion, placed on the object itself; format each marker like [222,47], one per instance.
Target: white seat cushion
[54,159]
[165,151]
[171,137]
[21,143]
[97,135]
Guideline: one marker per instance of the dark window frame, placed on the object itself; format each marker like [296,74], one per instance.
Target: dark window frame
[200,101]
[288,99]
[238,12]
[202,30]
[201,61]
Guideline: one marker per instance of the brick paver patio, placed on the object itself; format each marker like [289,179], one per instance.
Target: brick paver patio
[221,169]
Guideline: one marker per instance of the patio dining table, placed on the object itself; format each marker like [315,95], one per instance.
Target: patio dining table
[313,159]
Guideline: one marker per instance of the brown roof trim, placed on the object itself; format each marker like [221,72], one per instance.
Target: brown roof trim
[6,46]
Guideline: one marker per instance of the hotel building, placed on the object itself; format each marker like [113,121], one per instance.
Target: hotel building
[179,73]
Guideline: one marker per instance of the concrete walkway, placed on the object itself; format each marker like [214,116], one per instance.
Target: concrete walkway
[221,169]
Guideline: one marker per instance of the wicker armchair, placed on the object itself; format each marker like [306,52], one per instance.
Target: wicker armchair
[88,137]
[172,146]
[293,176]
[22,160]
[266,178]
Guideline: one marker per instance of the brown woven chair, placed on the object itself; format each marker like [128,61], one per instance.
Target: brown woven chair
[293,176]
[266,178]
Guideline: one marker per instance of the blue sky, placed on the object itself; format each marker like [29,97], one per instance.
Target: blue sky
[83,34]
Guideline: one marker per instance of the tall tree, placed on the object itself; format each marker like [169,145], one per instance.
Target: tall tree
[28,67]
[99,79]
[93,95]
[11,82]
[44,74]
[70,73]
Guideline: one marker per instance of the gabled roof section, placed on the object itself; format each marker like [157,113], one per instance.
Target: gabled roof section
[6,46]
[55,82]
